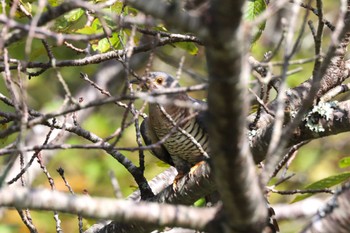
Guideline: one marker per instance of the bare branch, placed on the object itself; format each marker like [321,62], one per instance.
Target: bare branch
[172,14]
[121,210]
[334,217]
[98,58]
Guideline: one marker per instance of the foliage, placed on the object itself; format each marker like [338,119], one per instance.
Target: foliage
[43,63]
[323,184]
[253,10]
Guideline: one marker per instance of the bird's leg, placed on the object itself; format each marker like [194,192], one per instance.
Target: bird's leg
[194,168]
[183,171]
[179,175]
[182,168]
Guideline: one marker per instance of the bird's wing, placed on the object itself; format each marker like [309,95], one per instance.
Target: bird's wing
[150,138]
[201,116]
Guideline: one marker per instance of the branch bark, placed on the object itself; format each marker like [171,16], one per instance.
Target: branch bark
[104,208]
[227,109]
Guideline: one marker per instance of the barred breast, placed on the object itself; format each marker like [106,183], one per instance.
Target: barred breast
[188,144]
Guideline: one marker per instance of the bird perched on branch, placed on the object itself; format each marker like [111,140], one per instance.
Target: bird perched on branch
[181,129]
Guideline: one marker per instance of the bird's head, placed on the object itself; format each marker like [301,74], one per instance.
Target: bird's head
[158,81]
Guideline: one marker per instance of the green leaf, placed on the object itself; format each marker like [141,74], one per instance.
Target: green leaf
[200,202]
[162,164]
[95,28]
[87,30]
[344,162]
[117,7]
[322,184]
[115,40]
[104,45]
[73,15]
[190,47]
[54,2]
[160,27]
[253,10]
[96,24]
[71,21]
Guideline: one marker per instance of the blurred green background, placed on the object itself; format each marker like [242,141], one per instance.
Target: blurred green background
[87,170]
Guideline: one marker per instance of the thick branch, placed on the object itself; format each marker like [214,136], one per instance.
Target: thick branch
[339,122]
[233,165]
[299,210]
[189,189]
[104,208]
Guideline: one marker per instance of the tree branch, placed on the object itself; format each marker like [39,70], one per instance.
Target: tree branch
[227,108]
[51,14]
[335,216]
[104,208]
[115,54]
[172,14]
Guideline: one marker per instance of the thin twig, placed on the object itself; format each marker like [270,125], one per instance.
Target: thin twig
[300,191]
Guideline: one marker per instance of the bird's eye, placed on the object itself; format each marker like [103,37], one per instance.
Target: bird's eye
[159,80]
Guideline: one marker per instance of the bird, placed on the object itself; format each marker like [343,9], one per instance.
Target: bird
[184,129]
[186,137]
